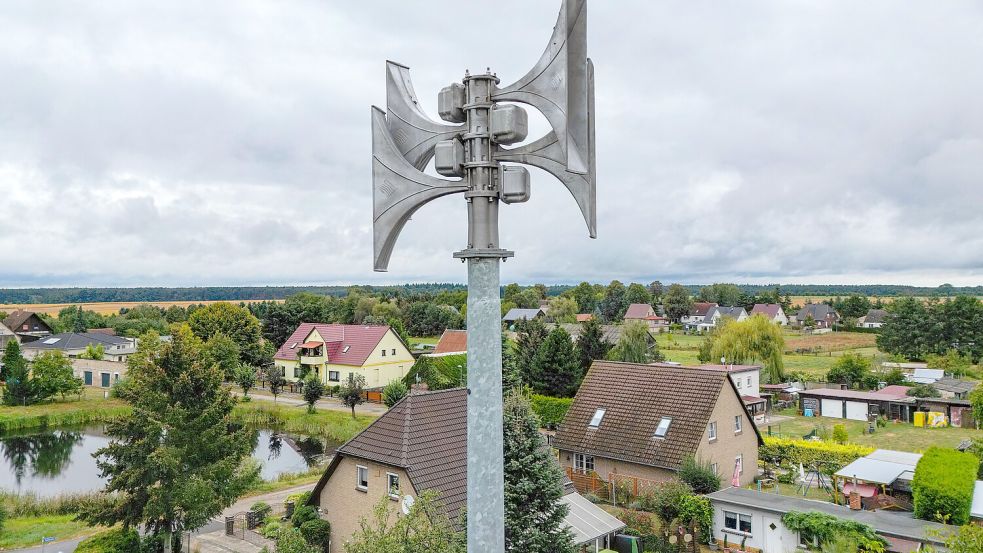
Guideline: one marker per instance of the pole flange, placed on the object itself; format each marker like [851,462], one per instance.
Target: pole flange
[472,253]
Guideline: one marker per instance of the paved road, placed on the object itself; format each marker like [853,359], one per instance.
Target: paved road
[275,499]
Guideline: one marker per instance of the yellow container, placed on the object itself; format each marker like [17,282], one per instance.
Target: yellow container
[920,419]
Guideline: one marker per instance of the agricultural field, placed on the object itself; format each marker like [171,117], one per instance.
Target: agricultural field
[107,308]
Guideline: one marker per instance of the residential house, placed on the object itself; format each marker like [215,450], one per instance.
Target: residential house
[822,315]
[953,388]
[891,402]
[28,326]
[644,420]
[873,319]
[697,313]
[771,311]
[100,374]
[747,380]
[334,351]
[713,317]
[517,314]
[419,445]
[74,344]
[645,313]
[6,335]
[452,341]
[755,518]
[926,376]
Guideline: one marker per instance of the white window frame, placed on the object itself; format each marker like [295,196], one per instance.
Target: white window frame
[738,518]
[345,349]
[664,425]
[738,383]
[749,382]
[595,421]
[738,424]
[715,468]
[712,431]
[583,464]
[389,485]
[359,469]
[337,376]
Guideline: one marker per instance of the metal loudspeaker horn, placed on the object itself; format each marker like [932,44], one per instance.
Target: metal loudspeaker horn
[398,188]
[558,86]
[414,134]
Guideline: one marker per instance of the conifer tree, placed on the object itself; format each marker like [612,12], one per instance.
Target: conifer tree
[18,389]
[556,370]
[531,336]
[591,345]
[533,485]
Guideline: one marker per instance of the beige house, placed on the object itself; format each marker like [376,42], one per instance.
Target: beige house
[639,420]
[419,445]
[99,374]
[333,351]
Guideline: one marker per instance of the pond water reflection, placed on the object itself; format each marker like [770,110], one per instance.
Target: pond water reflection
[57,461]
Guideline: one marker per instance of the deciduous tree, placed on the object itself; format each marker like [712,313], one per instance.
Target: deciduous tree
[753,339]
[313,390]
[351,391]
[245,377]
[425,529]
[677,302]
[52,374]
[636,345]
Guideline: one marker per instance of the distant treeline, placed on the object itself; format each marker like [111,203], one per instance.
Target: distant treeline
[243,293]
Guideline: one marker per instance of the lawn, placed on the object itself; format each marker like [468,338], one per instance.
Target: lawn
[338,426]
[93,407]
[28,531]
[897,436]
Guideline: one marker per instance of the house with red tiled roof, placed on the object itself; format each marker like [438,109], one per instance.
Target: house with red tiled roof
[333,351]
[452,341]
[771,311]
[645,313]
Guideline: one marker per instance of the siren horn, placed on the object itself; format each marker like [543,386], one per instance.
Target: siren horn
[414,134]
[398,189]
[557,86]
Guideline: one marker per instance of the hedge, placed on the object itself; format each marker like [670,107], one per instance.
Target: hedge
[111,541]
[826,528]
[943,485]
[550,410]
[828,457]
[439,372]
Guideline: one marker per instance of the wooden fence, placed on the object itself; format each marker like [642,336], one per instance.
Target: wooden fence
[618,489]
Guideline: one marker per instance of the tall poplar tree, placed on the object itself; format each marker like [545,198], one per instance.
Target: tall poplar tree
[178,460]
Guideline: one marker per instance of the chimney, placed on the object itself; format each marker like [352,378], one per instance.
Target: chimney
[419,388]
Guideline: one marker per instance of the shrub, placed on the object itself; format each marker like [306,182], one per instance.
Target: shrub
[271,530]
[302,514]
[840,434]
[943,485]
[697,510]
[290,541]
[393,392]
[550,410]
[825,456]
[111,541]
[828,528]
[3,516]
[665,500]
[699,475]
[317,532]
[262,510]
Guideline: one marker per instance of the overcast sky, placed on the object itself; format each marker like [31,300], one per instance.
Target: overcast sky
[228,142]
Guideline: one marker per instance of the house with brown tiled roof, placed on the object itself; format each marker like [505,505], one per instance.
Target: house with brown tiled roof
[421,445]
[646,313]
[333,351]
[630,419]
[27,325]
[452,341]
[697,313]
[771,311]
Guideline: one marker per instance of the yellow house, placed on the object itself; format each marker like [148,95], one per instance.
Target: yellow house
[333,351]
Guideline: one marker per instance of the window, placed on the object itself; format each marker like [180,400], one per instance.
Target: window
[712,430]
[595,421]
[334,376]
[583,463]
[345,349]
[738,423]
[738,384]
[737,522]
[293,345]
[739,461]
[663,428]
[392,485]
[749,382]
[383,353]
[361,478]
[283,372]
[296,372]
[394,351]
[714,467]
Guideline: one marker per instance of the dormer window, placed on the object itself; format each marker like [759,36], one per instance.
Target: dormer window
[595,421]
[663,428]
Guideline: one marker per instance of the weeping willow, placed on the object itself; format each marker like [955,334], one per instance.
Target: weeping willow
[755,339]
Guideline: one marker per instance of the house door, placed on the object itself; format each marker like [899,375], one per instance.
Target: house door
[105,379]
[773,536]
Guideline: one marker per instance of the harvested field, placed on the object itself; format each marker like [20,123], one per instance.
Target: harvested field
[108,308]
[833,341]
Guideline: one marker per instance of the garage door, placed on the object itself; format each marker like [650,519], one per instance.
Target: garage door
[856,410]
[833,408]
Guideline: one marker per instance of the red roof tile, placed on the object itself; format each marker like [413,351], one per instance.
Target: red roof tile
[344,344]
[639,311]
[769,310]
[584,317]
[700,309]
[452,341]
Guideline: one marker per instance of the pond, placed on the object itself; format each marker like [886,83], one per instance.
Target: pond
[56,461]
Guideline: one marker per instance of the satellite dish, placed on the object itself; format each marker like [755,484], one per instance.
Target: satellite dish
[408,502]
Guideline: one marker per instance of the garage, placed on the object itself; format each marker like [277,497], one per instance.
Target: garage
[856,410]
[832,408]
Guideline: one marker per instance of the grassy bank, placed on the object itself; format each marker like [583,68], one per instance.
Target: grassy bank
[91,408]
[22,532]
[335,426]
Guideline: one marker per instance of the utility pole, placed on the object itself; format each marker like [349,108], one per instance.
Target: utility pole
[404,139]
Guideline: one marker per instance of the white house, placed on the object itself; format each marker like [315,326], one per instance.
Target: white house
[713,317]
[873,319]
[755,518]
[697,313]
[771,311]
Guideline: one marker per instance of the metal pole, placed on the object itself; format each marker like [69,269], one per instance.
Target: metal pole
[486,463]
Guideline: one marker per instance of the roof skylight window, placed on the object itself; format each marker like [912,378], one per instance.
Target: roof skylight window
[595,421]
